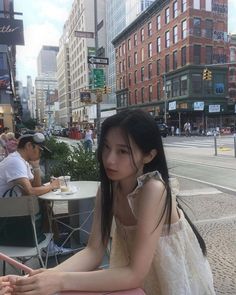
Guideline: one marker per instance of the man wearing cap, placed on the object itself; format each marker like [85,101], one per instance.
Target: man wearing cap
[20,170]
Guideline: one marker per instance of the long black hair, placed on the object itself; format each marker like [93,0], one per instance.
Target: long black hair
[143,130]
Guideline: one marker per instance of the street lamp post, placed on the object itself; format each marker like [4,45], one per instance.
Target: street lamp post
[165,98]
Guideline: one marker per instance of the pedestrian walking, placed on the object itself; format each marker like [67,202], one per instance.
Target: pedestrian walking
[154,246]
[187,128]
[172,129]
[88,139]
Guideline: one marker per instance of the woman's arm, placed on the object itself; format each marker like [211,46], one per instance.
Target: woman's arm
[131,276]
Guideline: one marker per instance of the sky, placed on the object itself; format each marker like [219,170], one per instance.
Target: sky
[43,25]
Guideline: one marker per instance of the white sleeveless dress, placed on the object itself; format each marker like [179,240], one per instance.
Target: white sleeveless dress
[178,267]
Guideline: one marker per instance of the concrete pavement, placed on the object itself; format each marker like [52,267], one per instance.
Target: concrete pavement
[214,214]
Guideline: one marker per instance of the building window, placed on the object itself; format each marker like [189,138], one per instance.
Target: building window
[167,63]
[167,39]
[209,55]
[142,74]
[196,4]
[196,54]
[175,34]
[183,5]
[175,9]
[129,79]
[135,96]
[120,51]
[197,27]
[142,34]
[209,28]
[168,89]
[129,61]
[197,83]
[184,85]
[142,94]
[135,40]
[135,77]
[135,58]
[158,67]
[159,44]
[142,54]
[149,71]
[175,60]
[149,49]
[167,15]
[184,29]
[183,56]
[208,5]
[176,87]
[129,44]
[150,92]
[123,48]
[149,29]
[158,22]
[158,91]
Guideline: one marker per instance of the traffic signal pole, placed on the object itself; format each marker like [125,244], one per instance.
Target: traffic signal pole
[96,49]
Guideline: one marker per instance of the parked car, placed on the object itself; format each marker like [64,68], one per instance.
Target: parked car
[65,132]
[163,128]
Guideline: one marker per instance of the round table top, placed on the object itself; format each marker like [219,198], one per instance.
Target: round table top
[79,190]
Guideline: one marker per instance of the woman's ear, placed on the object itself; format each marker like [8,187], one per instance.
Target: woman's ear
[150,156]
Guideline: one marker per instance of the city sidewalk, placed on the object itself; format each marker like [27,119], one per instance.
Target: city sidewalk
[213,212]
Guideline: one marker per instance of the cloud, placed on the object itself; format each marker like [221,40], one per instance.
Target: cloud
[43,25]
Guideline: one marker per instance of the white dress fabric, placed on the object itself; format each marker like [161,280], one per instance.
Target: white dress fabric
[178,267]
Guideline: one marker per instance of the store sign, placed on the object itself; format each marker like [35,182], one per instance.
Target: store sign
[214,108]
[198,106]
[11,32]
[172,106]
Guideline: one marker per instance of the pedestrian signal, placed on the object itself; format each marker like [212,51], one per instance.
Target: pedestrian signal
[207,75]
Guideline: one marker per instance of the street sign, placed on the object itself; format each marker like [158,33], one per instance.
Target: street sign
[98,60]
[83,34]
[98,78]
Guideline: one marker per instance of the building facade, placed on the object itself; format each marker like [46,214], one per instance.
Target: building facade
[160,58]
[46,86]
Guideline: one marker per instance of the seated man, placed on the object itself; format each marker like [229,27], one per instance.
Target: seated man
[22,168]
[20,175]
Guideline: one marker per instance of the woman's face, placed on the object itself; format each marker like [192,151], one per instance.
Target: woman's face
[117,156]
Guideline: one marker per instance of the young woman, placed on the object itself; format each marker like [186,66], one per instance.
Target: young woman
[153,245]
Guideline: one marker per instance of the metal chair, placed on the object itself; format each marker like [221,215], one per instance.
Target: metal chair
[24,206]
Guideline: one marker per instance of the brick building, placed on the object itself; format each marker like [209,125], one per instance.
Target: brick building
[160,58]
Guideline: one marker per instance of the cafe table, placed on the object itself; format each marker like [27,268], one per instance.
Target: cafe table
[81,192]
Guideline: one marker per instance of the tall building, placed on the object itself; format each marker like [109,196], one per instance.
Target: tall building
[81,20]
[46,86]
[160,59]
[119,14]
[46,61]
[64,80]
[232,71]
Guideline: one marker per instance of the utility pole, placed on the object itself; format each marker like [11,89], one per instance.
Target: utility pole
[165,98]
[96,50]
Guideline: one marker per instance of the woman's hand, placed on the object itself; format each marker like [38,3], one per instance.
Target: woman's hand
[6,284]
[40,282]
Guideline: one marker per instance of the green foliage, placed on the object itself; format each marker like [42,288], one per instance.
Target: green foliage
[30,124]
[69,160]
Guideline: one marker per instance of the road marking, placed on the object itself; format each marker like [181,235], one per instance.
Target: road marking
[226,218]
[200,191]
[205,182]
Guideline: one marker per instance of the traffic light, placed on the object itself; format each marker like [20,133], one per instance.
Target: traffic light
[207,75]
[105,89]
